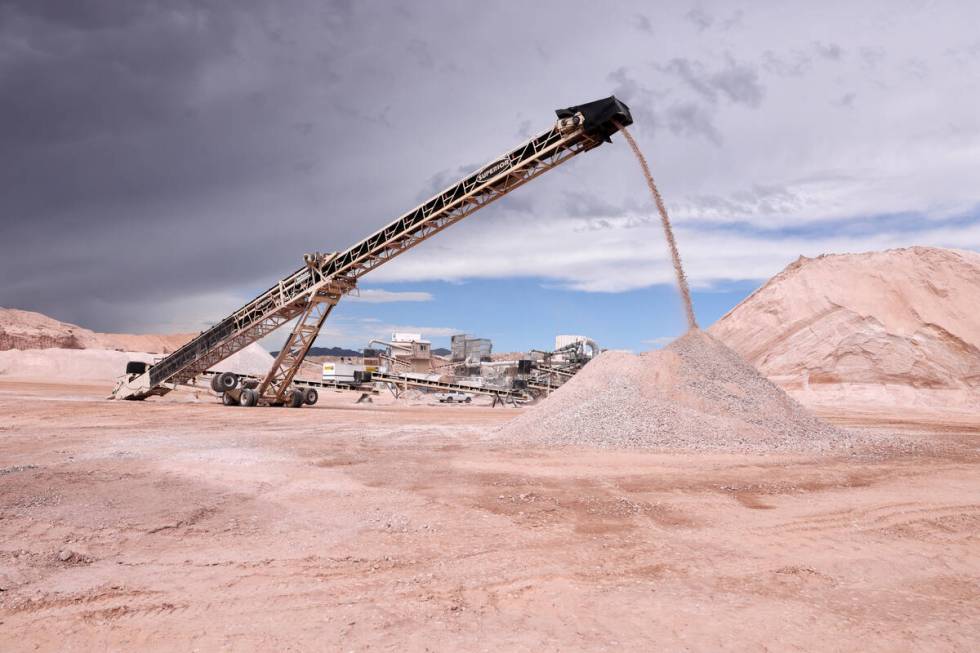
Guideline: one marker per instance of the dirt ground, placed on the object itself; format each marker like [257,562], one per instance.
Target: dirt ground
[191,526]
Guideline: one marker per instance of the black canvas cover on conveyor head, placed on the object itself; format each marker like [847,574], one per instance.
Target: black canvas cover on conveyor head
[600,114]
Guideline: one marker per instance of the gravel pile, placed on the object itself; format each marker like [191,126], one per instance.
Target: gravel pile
[696,394]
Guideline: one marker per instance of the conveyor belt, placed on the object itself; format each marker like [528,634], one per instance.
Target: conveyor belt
[398,380]
[326,278]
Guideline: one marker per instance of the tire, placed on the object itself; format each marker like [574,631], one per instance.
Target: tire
[248,398]
[311,396]
[469,399]
[136,367]
[227,381]
[296,398]
[215,383]
[228,400]
[449,400]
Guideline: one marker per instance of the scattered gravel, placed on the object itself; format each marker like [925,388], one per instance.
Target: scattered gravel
[16,468]
[696,394]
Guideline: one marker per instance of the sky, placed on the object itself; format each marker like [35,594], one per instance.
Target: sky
[163,162]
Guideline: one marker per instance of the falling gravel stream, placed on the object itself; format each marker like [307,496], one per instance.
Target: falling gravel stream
[668,231]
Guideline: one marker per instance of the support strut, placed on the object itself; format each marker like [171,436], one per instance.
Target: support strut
[276,384]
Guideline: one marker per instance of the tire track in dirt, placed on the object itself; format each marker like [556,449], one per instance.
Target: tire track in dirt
[880,519]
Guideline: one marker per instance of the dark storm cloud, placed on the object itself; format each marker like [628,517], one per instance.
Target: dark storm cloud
[690,119]
[706,88]
[639,97]
[738,83]
[587,205]
[704,21]
[642,23]
[157,152]
[792,64]
[90,72]
[701,19]
[830,51]
[122,138]
[420,51]
[154,153]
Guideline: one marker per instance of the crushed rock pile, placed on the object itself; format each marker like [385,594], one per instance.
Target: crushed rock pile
[696,394]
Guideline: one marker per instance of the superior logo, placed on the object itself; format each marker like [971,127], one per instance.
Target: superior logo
[493,169]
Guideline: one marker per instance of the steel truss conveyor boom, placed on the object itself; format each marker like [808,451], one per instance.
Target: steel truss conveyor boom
[311,292]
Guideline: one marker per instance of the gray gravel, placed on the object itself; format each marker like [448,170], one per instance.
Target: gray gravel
[696,394]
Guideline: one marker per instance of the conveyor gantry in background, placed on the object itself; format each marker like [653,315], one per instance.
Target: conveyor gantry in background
[398,382]
[311,292]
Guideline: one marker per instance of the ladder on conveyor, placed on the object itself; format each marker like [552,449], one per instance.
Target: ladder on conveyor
[311,292]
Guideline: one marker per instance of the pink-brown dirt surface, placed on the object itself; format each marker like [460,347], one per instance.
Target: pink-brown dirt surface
[166,526]
[717,516]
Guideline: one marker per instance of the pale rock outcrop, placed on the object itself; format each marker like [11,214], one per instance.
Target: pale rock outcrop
[35,346]
[30,330]
[898,327]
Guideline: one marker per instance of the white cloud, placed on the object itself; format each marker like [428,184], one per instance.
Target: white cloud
[357,333]
[426,331]
[740,178]
[380,296]
[659,342]
[627,254]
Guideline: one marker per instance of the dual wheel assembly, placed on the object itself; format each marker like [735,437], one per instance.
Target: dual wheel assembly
[227,385]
